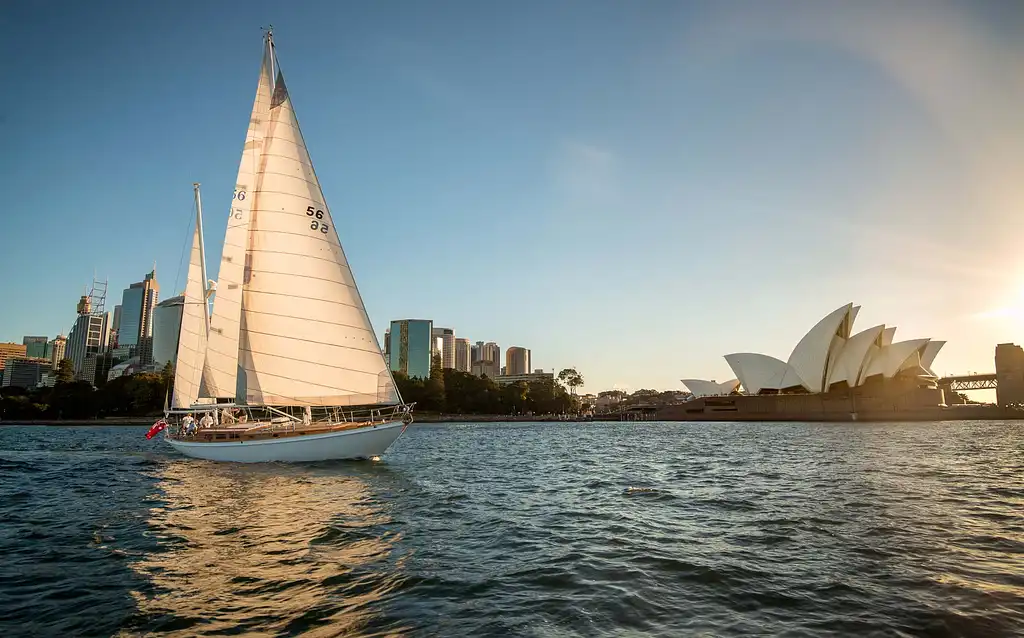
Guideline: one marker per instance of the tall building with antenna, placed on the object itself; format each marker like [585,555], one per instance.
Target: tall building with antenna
[90,333]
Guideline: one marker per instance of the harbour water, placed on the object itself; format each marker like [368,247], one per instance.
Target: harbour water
[546,529]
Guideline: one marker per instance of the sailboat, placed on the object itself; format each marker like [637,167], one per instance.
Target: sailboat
[286,367]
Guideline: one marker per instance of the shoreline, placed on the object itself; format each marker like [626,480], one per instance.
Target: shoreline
[127,421]
[434,419]
[147,421]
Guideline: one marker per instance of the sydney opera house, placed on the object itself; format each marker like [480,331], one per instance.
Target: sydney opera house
[832,372]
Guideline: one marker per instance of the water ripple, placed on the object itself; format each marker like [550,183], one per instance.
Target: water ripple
[525,529]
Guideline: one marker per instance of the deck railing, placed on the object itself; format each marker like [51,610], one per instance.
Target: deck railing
[291,418]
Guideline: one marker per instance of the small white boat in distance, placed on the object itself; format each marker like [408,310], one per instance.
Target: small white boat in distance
[287,367]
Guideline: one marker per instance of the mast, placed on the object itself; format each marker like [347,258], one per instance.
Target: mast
[202,255]
[193,333]
[272,57]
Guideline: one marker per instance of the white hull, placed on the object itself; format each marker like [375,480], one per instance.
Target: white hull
[362,443]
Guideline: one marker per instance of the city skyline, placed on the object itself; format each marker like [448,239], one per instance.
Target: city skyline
[755,165]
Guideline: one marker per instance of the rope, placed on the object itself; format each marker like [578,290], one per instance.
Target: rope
[185,247]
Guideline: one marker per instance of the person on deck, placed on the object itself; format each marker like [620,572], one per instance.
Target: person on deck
[206,421]
[188,424]
[307,416]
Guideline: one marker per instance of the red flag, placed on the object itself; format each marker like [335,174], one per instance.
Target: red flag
[157,427]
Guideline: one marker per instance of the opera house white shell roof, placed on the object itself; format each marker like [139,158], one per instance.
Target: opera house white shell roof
[701,388]
[830,353]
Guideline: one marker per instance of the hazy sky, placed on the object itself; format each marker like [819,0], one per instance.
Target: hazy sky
[632,188]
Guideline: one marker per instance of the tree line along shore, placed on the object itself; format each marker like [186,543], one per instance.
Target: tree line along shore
[447,395]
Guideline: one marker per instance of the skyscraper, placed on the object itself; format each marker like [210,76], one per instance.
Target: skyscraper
[90,333]
[488,361]
[35,347]
[87,336]
[166,327]
[57,349]
[115,327]
[411,347]
[491,352]
[517,360]
[462,355]
[447,351]
[135,327]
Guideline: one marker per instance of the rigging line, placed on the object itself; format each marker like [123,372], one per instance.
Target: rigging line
[305,235]
[322,365]
[286,294]
[181,259]
[311,341]
[288,176]
[289,274]
[308,383]
[303,255]
[290,158]
[324,321]
[266,191]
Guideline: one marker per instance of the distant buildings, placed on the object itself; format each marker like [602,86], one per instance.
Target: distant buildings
[410,348]
[9,351]
[96,367]
[607,400]
[56,349]
[487,360]
[1009,374]
[517,361]
[115,327]
[124,369]
[166,326]
[530,377]
[135,325]
[30,363]
[25,372]
[447,348]
[88,336]
[35,347]
[462,355]
[410,344]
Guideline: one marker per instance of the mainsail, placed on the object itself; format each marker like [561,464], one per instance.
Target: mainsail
[304,336]
[222,353]
[188,364]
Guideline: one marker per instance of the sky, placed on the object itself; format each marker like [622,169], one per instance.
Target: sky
[631,188]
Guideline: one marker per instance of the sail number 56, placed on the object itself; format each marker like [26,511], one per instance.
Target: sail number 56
[315,224]
[236,213]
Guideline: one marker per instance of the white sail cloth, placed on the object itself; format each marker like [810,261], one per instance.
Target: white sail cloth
[289,326]
[188,363]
